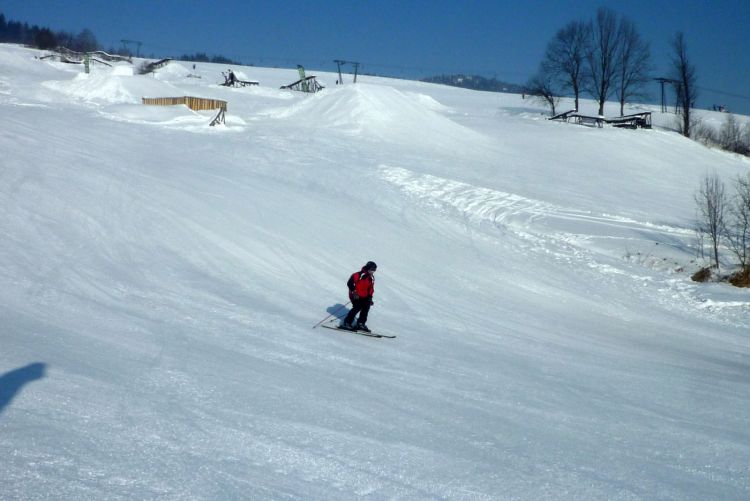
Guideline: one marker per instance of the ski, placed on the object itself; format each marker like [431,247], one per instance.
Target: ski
[361,333]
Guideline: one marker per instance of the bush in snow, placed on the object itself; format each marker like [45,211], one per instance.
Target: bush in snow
[741,278]
[702,275]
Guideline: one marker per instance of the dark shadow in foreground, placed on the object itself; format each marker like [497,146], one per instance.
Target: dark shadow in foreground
[12,382]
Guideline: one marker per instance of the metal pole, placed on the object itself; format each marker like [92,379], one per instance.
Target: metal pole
[663,104]
[332,314]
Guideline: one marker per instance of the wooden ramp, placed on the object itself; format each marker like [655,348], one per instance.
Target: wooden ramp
[307,84]
[154,65]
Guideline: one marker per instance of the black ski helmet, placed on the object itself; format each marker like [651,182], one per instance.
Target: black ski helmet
[371,266]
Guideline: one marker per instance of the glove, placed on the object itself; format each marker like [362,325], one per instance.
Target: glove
[355,296]
[371,302]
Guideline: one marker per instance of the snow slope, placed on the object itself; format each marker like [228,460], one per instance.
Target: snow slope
[161,278]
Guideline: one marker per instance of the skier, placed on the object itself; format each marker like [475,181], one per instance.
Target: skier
[361,288]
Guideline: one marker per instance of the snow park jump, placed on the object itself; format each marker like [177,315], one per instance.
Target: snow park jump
[165,276]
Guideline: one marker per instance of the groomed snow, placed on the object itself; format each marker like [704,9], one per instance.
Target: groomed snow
[160,280]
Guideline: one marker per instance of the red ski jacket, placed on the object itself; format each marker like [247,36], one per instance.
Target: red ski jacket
[363,283]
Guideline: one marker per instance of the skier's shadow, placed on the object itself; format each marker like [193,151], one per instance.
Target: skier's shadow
[12,382]
[338,310]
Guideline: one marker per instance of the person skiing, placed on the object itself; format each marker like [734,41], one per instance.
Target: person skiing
[361,289]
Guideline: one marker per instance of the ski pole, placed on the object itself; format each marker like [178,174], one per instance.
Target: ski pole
[332,314]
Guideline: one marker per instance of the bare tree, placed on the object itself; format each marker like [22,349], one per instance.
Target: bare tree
[605,42]
[634,64]
[738,226]
[566,56]
[542,87]
[684,73]
[711,203]
[732,136]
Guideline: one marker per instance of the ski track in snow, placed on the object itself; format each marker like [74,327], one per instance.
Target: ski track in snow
[536,223]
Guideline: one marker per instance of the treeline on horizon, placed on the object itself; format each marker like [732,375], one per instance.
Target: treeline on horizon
[42,37]
[476,82]
[45,38]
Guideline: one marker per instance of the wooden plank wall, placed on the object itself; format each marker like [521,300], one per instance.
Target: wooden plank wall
[194,103]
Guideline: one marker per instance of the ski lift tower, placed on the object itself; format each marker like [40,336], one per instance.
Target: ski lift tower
[662,81]
[339,62]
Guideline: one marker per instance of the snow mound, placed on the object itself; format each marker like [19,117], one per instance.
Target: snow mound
[171,117]
[267,92]
[138,113]
[123,70]
[171,70]
[111,87]
[381,112]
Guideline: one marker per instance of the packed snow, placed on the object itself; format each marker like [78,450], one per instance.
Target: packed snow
[161,279]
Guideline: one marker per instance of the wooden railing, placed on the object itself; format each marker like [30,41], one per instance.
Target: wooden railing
[194,103]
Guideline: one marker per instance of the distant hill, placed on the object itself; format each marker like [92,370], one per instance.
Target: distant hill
[476,82]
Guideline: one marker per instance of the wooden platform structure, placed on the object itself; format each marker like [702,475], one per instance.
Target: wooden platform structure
[65,59]
[237,82]
[305,83]
[642,120]
[194,103]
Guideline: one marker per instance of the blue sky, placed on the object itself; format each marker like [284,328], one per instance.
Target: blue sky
[409,38]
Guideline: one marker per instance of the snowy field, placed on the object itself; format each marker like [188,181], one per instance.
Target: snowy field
[160,280]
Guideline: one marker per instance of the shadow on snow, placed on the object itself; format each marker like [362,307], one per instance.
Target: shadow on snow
[12,382]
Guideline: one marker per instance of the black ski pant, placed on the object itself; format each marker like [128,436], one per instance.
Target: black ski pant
[361,306]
